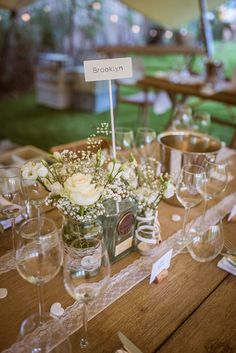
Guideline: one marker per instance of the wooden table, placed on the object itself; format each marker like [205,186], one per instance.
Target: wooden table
[224,96]
[186,90]
[192,310]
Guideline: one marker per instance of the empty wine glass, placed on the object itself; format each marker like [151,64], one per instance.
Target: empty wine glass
[188,184]
[124,138]
[206,244]
[39,257]
[36,194]
[144,141]
[201,122]
[215,182]
[86,275]
[182,119]
[13,200]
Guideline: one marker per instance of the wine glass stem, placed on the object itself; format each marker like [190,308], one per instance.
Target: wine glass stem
[13,227]
[41,303]
[84,340]
[204,212]
[38,212]
[186,212]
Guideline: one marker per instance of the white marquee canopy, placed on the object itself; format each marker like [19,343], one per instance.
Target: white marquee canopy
[171,13]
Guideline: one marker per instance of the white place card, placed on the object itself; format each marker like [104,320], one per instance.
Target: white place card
[225,265]
[107,69]
[161,264]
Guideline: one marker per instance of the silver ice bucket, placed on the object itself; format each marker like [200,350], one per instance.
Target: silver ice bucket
[178,148]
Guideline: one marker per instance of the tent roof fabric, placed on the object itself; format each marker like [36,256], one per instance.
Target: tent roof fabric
[14,4]
[171,13]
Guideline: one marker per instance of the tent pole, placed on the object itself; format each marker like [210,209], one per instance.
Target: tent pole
[206,29]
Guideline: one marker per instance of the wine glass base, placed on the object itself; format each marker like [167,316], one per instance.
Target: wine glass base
[55,341]
[182,246]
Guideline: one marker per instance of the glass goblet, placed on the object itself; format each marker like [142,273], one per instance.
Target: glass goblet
[201,122]
[144,140]
[206,244]
[188,184]
[39,257]
[36,194]
[215,182]
[182,119]
[86,275]
[13,200]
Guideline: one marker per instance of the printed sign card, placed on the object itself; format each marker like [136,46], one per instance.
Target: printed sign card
[107,69]
[160,265]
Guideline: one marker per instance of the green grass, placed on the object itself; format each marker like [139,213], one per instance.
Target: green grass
[25,122]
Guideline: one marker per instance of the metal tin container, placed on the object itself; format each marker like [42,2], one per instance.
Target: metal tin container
[178,148]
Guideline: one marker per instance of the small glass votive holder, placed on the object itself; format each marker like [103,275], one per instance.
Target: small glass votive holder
[206,244]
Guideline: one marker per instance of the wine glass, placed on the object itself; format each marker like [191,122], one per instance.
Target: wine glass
[188,184]
[182,119]
[206,244]
[36,194]
[39,257]
[144,140]
[215,182]
[86,275]
[13,200]
[201,122]
[124,138]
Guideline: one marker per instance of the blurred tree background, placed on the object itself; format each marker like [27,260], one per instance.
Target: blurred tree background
[76,27]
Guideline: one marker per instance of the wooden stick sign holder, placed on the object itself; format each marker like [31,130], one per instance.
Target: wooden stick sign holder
[108,70]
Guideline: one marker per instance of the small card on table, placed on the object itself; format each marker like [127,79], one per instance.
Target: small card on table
[160,265]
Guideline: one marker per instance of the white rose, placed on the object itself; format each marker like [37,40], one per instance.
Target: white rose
[170,190]
[80,191]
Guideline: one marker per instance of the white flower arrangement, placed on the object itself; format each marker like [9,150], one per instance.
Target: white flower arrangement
[152,187]
[79,183]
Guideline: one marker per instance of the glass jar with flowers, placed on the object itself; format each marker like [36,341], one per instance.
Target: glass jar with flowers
[78,185]
[152,187]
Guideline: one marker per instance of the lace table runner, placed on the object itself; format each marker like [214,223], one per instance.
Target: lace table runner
[119,285]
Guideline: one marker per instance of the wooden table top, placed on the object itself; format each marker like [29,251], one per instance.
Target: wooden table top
[155,50]
[192,310]
[227,96]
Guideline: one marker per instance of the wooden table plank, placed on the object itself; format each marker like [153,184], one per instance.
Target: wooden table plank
[212,327]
